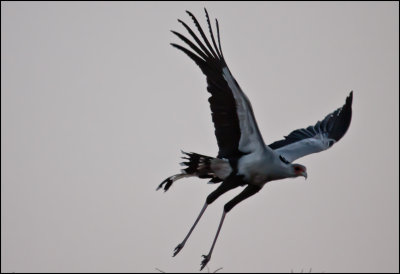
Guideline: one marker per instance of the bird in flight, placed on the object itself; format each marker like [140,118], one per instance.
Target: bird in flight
[243,158]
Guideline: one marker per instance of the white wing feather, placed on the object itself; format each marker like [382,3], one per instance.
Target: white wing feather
[294,151]
[250,137]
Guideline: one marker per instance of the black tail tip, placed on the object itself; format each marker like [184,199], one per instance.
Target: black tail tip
[166,183]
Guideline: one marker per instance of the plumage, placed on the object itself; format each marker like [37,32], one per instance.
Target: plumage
[323,135]
[243,158]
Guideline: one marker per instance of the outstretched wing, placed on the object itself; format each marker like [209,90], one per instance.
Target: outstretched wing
[319,137]
[234,122]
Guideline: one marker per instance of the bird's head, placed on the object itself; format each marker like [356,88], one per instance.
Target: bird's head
[299,170]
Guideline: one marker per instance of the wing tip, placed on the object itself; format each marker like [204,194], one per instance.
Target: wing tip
[189,13]
[349,101]
[350,97]
[343,119]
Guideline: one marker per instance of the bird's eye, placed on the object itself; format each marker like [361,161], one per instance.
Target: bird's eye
[297,168]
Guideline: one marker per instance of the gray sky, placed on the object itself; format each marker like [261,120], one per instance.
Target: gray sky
[96,106]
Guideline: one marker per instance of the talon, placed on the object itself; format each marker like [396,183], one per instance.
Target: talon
[205,261]
[177,249]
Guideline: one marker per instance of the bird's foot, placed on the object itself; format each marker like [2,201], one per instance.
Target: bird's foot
[205,261]
[178,248]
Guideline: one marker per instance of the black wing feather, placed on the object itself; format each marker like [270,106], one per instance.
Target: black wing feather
[342,122]
[222,103]
[212,34]
[202,33]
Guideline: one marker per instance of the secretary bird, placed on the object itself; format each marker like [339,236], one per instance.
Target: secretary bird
[243,158]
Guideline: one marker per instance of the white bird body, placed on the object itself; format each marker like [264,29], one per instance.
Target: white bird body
[260,167]
[243,158]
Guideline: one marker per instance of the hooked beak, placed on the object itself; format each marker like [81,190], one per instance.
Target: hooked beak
[304,174]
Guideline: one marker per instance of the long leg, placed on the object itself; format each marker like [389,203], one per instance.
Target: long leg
[182,244]
[247,192]
[208,256]
[224,187]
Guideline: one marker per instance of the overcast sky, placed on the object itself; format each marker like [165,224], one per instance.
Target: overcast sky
[96,106]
